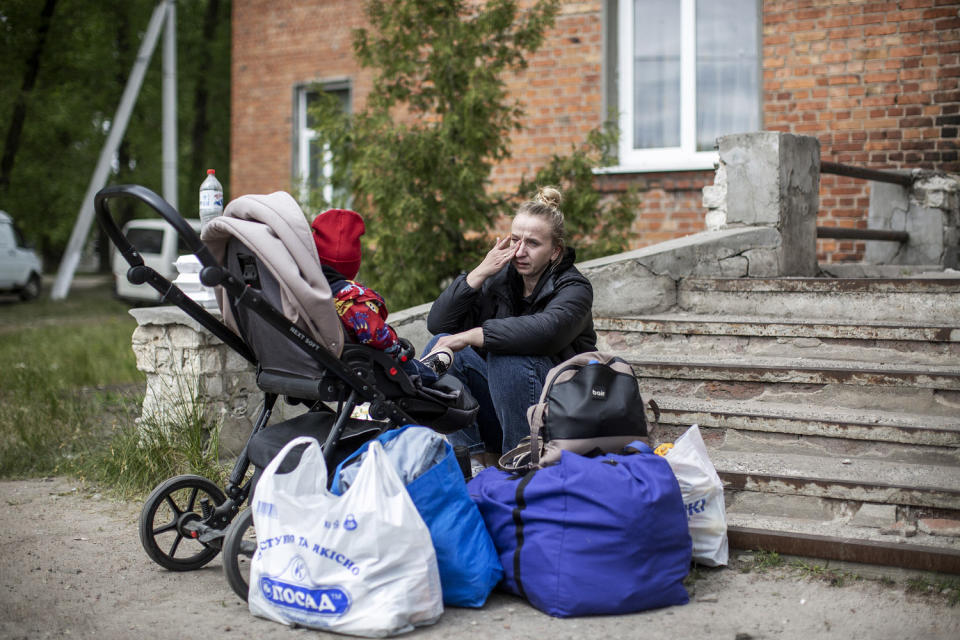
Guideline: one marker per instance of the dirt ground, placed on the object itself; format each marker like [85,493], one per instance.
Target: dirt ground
[72,566]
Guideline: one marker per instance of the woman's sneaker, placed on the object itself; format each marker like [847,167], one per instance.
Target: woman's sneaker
[439,360]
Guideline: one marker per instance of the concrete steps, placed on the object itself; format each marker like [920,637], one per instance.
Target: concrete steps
[932,300]
[814,418]
[758,336]
[834,529]
[854,478]
[797,371]
[874,427]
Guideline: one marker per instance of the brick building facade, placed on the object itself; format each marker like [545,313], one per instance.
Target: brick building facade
[875,82]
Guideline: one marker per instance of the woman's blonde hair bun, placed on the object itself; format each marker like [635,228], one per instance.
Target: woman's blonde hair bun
[549,196]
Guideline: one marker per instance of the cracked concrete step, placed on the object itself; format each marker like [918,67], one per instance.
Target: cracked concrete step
[855,478]
[797,371]
[841,449]
[777,327]
[865,270]
[842,543]
[920,300]
[843,351]
[869,533]
[844,397]
[874,521]
[808,420]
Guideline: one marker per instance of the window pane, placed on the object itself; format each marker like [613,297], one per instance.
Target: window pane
[727,70]
[18,237]
[317,160]
[318,169]
[146,240]
[342,95]
[182,247]
[656,74]
[6,237]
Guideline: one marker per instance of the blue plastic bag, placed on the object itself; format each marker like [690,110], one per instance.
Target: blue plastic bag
[467,559]
[589,536]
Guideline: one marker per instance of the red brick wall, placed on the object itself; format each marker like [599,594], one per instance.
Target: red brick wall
[671,205]
[561,91]
[875,82]
[278,44]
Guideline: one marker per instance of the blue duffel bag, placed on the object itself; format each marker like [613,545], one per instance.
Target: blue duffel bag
[590,535]
[468,562]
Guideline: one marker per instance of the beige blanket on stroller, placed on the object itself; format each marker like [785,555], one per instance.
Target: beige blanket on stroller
[275,229]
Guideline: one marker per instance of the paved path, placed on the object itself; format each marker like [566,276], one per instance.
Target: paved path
[72,566]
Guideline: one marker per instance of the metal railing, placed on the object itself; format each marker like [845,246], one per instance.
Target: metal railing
[862,173]
[877,175]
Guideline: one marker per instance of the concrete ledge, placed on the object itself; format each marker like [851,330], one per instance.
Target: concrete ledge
[167,315]
[411,323]
[645,280]
[185,363]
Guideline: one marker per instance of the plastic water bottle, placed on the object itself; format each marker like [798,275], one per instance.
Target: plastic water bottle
[211,198]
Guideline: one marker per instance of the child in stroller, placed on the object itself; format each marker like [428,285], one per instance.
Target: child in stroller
[278,313]
[336,233]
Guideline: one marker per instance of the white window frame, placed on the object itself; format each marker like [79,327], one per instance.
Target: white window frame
[304,135]
[684,157]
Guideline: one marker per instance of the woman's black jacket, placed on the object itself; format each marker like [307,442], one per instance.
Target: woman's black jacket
[555,320]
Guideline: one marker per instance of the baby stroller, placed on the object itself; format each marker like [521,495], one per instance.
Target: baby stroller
[277,314]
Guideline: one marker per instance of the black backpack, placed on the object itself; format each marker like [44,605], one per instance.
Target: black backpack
[591,401]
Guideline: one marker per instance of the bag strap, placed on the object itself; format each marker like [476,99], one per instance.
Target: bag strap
[535,417]
[630,450]
[518,529]
[656,412]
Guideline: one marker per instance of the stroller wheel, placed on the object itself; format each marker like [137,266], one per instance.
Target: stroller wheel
[239,546]
[175,503]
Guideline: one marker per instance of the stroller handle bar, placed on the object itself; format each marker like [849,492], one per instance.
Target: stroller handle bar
[162,207]
[140,273]
[213,275]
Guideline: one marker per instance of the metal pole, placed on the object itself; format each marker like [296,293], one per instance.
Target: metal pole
[170,106]
[840,233]
[117,128]
[863,173]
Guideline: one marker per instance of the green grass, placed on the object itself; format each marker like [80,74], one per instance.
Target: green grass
[948,588]
[763,560]
[833,577]
[70,393]
[59,368]
[138,456]
[82,304]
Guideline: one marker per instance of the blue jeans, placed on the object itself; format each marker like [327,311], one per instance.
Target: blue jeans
[505,386]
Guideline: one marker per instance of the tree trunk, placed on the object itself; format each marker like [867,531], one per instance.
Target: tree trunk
[201,94]
[20,107]
[121,209]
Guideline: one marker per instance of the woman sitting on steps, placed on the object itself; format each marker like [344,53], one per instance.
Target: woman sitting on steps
[522,310]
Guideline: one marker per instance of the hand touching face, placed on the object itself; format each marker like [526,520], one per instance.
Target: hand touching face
[503,251]
[495,260]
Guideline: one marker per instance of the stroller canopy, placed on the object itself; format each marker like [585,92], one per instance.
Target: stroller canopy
[274,228]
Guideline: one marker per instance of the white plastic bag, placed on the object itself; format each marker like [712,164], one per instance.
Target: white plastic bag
[361,563]
[702,496]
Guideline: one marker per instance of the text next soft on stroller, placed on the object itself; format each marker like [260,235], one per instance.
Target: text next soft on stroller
[278,314]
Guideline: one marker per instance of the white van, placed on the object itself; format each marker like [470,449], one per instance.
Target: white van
[159,244]
[19,265]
